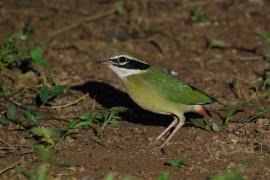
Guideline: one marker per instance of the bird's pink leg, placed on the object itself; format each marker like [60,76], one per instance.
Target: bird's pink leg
[175,122]
[181,121]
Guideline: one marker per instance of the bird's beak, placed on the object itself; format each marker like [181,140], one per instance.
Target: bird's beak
[104,61]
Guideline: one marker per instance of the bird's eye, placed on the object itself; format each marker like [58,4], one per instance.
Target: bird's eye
[122,60]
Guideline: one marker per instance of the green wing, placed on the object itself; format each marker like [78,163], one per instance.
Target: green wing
[175,90]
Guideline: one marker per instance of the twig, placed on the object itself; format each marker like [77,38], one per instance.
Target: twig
[68,104]
[13,165]
[250,119]
[98,141]
[152,40]
[252,58]
[15,147]
[101,129]
[65,118]
[61,138]
[94,104]
[9,99]
[17,92]
[78,23]
[16,103]
[7,144]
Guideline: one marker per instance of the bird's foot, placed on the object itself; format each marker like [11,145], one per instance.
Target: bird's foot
[156,144]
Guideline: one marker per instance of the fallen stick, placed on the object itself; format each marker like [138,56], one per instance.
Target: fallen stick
[68,104]
[87,19]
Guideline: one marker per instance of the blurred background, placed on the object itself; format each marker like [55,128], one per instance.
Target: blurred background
[55,99]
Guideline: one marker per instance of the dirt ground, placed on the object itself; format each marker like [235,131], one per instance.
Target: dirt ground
[75,33]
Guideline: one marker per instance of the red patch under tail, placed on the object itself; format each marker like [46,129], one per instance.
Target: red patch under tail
[202,111]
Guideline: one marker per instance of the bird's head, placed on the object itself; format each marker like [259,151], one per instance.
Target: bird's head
[125,64]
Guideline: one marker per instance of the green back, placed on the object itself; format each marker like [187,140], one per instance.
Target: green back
[175,90]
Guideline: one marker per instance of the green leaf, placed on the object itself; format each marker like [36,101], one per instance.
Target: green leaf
[24,37]
[114,122]
[4,121]
[41,173]
[33,116]
[117,110]
[85,120]
[46,93]
[11,111]
[233,83]
[219,44]
[201,124]
[36,56]
[119,6]
[46,134]
[77,123]
[86,115]
[42,152]
[263,35]
[58,89]
[230,113]
[73,123]
[176,163]
[197,16]
[103,117]
[215,127]
[164,176]
[206,125]
[6,52]
[228,175]
[43,155]
[266,82]
[10,39]
[25,173]
[109,176]
[261,110]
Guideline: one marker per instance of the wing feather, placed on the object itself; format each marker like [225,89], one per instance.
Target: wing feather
[175,90]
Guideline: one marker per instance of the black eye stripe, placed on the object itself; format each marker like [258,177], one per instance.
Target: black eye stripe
[134,65]
[122,59]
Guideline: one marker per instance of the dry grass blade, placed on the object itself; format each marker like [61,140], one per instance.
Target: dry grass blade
[13,165]
[78,23]
[68,104]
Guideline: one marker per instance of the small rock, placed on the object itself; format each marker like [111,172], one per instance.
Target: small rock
[231,165]
[216,137]
[217,154]
[234,141]
[82,169]
[198,138]
[150,139]
[262,122]
[173,73]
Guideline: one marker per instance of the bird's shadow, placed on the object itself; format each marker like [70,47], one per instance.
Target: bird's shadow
[108,97]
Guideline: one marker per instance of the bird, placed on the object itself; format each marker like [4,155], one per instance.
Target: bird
[157,91]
